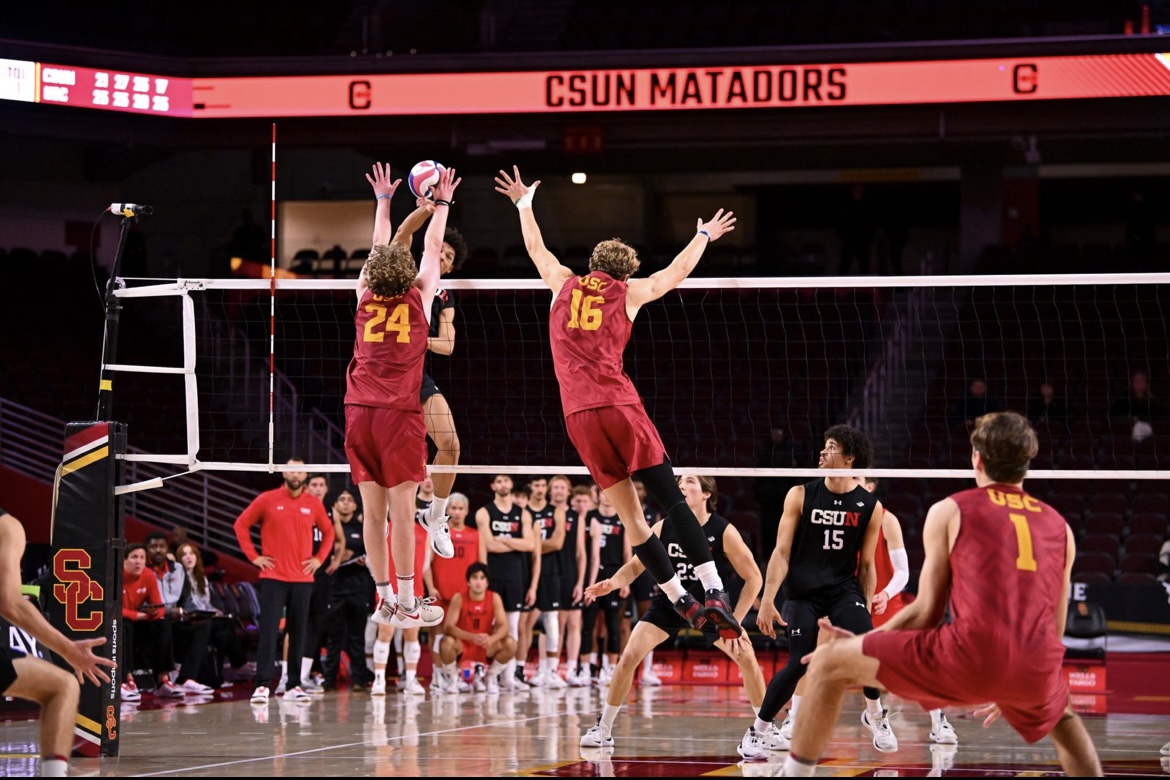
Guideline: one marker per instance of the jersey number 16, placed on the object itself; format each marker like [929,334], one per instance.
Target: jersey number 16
[581,312]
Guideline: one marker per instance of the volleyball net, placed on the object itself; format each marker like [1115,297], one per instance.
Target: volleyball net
[240,374]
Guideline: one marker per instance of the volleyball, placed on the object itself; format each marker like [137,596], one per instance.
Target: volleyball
[423,176]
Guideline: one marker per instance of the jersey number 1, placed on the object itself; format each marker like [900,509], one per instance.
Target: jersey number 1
[1025,561]
[581,312]
[398,321]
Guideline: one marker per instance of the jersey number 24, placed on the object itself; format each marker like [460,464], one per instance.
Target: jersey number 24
[397,321]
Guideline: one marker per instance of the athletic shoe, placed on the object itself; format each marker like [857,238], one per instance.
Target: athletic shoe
[413,687]
[604,678]
[553,681]
[597,736]
[478,685]
[260,695]
[1166,749]
[774,740]
[438,682]
[194,686]
[281,686]
[518,681]
[425,614]
[650,680]
[311,686]
[168,690]
[492,684]
[379,687]
[439,532]
[297,694]
[384,611]
[130,692]
[945,733]
[539,680]
[752,745]
[688,606]
[786,727]
[884,740]
[717,608]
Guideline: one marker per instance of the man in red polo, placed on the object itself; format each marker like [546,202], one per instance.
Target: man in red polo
[286,517]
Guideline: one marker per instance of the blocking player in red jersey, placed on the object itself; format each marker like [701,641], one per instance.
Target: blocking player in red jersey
[385,434]
[477,630]
[589,326]
[1005,558]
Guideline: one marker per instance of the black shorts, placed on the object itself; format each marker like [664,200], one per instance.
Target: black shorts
[663,615]
[643,588]
[844,606]
[7,670]
[429,388]
[512,592]
[548,593]
[568,582]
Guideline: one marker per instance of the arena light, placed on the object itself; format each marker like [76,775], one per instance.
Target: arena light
[579,178]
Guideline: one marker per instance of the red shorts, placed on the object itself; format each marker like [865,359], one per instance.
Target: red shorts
[385,446]
[937,668]
[615,441]
[893,607]
[472,653]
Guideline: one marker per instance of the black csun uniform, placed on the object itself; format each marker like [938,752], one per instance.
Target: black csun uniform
[508,572]
[548,592]
[441,301]
[661,613]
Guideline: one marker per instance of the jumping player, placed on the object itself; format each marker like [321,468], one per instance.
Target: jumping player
[385,434]
[589,326]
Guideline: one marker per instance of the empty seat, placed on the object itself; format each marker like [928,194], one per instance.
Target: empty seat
[1144,544]
[1111,523]
[1094,562]
[1154,523]
[1151,501]
[1143,563]
[1103,543]
[1101,503]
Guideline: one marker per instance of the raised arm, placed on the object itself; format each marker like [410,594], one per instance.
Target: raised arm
[417,218]
[551,271]
[383,193]
[642,291]
[429,270]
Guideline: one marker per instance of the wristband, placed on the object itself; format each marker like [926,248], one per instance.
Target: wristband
[441,202]
[525,202]
[383,195]
[705,233]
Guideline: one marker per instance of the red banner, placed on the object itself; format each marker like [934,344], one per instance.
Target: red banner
[588,91]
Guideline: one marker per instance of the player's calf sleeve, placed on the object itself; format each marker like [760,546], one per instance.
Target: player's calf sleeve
[652,554]
[661,483]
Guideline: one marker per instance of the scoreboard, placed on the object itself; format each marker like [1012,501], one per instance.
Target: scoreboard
[766,85]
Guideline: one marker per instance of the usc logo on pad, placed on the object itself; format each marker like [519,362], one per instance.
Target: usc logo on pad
[111,722]
[74,587]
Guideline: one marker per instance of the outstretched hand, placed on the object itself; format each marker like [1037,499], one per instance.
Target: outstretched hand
[719,224]
[597,590]
[512,186]
[829,633]
[446,186]
[86,665]
[380,181]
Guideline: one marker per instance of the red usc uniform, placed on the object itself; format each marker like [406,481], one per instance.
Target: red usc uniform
[606,421]
[1007,580]
[450,574]
[476,617]
[885,572]
[385,435]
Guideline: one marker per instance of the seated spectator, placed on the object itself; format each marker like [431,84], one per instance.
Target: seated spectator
[190,638]
[197,607]
[145,629]
[1138,406]
[974,404]
[1044,408]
